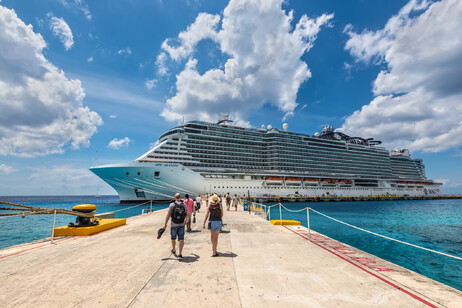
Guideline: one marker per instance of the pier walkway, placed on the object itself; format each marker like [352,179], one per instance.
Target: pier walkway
[260,265]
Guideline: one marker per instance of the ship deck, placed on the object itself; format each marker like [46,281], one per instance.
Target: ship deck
[260,265]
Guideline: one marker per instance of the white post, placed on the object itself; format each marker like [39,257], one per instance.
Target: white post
[53,228]
[150,208]
[280,214]
[308,222]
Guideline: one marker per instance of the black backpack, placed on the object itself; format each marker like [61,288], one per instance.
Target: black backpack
[178,213]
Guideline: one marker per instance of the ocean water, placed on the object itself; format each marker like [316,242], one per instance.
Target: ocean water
[433,224]
[17,230]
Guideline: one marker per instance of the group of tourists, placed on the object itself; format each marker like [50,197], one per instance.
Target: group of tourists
[182,213]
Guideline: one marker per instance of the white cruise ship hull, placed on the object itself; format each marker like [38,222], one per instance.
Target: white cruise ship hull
[158,181]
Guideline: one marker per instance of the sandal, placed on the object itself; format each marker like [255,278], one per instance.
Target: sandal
[174,252]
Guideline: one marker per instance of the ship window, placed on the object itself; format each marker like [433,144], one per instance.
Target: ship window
[139,192]
[156,174]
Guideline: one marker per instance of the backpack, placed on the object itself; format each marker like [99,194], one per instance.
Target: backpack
[178,213]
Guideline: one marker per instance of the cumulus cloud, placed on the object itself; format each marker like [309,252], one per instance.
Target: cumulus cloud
[418,95]
[62,30]
[6,169]
[263,64]
[90,59]
[117,144]
[42,110]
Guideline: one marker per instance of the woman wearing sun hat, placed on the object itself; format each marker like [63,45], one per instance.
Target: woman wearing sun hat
[214,214]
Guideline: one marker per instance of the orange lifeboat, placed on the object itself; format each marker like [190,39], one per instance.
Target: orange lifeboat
[310,182]
[328,181]
[273,181]
[293,181]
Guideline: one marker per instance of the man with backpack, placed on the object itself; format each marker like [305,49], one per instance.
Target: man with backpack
[178,212]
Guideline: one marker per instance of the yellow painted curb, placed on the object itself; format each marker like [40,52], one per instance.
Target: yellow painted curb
[104,224]
[286,222]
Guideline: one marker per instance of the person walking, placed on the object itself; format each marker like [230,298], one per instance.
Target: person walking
[178,212]
[198,203]
[236,202]
[228,201]
[191,209]
[214,214]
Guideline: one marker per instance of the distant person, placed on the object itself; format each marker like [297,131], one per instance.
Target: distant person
[206,199]
[214,214]
[178,212]
[190,205]
[235,202]
[228,201]
[198,203]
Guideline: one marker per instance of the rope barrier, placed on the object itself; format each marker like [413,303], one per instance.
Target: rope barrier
[293,211]
[367,231]
[131,207]
[389,238]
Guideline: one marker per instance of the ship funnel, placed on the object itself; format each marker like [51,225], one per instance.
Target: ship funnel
[285,126]
[270,127]
[263,127]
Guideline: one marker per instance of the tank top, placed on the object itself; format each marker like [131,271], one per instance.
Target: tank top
[215,212]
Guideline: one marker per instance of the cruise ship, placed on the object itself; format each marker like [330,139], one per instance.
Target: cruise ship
[201,157]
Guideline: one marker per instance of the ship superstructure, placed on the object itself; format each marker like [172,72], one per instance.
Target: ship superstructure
[199,157]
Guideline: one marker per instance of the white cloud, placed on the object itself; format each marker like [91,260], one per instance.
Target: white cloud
[84,8]
[112,116]
[62,30]
[150,83]
[80,5]
[42,110]
[90,59]
[264,64]
[418,96]
[162,69]
[125,51]
[117,144]
[6,169]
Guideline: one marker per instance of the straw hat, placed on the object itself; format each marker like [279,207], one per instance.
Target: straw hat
[215,198]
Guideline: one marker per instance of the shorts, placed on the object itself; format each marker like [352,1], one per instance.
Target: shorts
[177,231]
[198,205]
[215,225]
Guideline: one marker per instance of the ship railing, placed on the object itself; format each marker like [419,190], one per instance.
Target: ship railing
[257,208]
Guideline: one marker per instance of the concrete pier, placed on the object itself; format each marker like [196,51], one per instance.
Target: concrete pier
[260,265]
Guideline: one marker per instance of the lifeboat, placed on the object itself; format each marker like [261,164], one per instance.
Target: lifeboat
[345,182]
[310,182]
[273,181]
[328,181]
[293,181]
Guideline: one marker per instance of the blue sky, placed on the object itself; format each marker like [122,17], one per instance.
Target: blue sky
[81,80]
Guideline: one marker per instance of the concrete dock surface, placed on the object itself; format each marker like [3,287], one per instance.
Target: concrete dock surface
[260,265]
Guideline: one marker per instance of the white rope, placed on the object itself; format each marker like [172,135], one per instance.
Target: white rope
[293,210]
[131,207]
[389,238]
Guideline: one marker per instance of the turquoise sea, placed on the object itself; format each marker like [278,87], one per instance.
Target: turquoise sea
[433,224]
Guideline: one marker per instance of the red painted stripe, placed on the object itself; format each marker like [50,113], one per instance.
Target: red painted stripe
[36,247]
[369,272]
